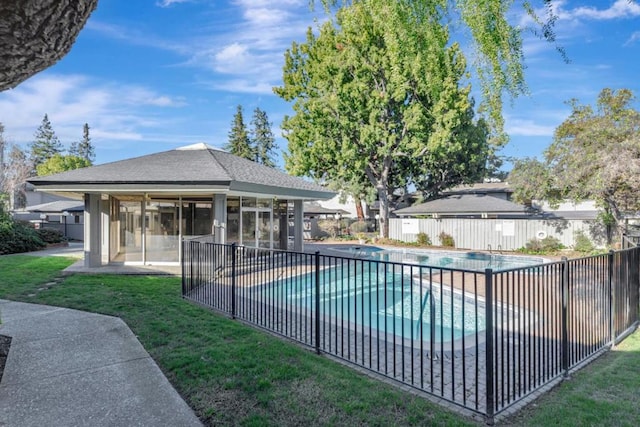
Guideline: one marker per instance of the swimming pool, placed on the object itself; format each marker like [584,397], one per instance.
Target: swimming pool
[385,300]
[475,261]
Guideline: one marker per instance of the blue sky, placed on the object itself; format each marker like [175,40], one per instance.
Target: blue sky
[152,75]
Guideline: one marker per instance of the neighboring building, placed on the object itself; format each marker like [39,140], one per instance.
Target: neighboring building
[466,206]
[482,216]
[138,210]
[53,211]
[500,190]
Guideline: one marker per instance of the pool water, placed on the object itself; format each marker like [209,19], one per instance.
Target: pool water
[380,301]
[475,261]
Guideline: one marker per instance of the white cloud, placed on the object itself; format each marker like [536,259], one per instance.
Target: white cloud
[248,49]
[619,9]
[525,127]
[113,111]
[243,86]
[633,39]
[167,3]
[137,37]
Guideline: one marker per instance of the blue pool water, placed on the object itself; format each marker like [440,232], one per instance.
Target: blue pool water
[476,261]
[376,301]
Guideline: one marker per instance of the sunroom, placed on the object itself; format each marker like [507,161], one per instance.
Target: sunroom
[138,210]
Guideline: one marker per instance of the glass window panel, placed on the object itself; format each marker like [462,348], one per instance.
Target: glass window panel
[162,239]
[130,232]
[249,202]
[233,220]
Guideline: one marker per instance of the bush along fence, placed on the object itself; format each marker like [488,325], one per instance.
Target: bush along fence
[485,341]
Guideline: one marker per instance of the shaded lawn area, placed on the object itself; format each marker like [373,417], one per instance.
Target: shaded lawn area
[229,373]
[604,393]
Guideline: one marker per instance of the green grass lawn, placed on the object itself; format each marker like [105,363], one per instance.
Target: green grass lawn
[231,374]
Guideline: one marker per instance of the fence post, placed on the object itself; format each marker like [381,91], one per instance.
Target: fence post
[564,292]
[317,301]
[182,261]
[635,283]
[490,375]
[233,280]
[612,303]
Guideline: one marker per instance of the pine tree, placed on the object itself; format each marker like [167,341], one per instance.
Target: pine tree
[84,148]
[45,144]
[262,138]
[239,142]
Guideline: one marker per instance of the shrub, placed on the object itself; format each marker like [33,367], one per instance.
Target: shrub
[49,235]
[16,237]
[358,227]
[423,239]
[329,226]
[541,246]
[446,240]
[583,243]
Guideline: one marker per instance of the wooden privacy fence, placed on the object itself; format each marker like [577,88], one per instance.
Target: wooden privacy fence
[495,234]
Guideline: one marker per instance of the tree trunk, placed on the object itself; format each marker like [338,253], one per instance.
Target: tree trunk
[35,34]
[359,211]
[383,200]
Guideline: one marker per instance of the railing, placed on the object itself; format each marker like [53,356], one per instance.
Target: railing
[483,340]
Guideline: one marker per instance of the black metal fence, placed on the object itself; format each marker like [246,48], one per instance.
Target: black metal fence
[483,340]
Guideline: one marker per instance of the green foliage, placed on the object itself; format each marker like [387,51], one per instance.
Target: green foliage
[329,226]
[84,148]
[61,163]
[16,237]
[582,243]
[446,240]
[378,103]
[496,43]
[423,239]
[359,227]
[50,235]
[45,144]
[262,139]
[239,142]
[594,156]
[548,245]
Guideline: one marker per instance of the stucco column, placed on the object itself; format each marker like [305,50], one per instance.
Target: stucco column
[298,226]
[220,218]
[104,231]
[92,231]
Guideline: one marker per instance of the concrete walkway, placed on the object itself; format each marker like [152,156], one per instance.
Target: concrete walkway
[73,368]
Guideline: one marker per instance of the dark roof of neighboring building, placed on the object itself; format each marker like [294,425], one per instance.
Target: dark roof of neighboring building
[58,206]
[463,204]
[480,188]
[196,165]
[310,209]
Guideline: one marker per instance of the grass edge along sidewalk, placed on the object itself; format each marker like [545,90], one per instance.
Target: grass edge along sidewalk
[229,373]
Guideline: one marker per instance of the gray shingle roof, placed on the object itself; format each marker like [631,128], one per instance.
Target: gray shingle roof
[463,204]
[199,165]
[57,206]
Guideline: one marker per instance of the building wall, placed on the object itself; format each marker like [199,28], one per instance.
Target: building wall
[504,234]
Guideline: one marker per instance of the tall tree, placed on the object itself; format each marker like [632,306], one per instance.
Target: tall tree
[83,148]
[595,155]
[239,142]
[263,141]
[45,144]
[496,43]
[19,168]
[378,102]
[59,163]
